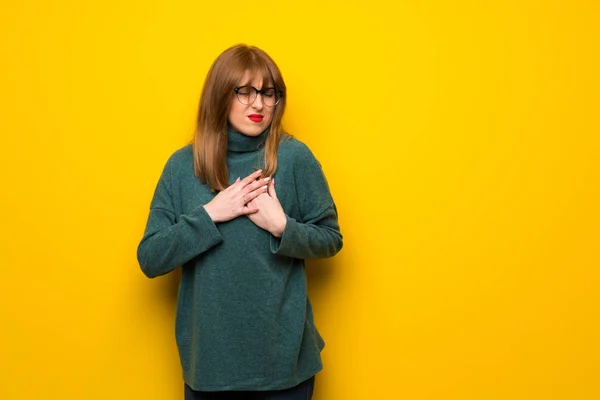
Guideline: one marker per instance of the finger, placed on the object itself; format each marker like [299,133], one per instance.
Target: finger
[250,208]
[256,185]
[251,178]
[272,192]
[248,197]
[234,183]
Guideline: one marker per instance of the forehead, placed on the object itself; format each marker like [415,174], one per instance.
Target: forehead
[255,78]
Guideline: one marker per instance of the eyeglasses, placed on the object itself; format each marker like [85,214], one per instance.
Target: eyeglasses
[248,94]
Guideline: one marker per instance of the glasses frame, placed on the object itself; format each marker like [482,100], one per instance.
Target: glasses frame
[279,94]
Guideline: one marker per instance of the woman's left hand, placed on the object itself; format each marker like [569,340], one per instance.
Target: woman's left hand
[270,215]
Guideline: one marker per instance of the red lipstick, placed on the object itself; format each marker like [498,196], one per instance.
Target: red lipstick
[256,117]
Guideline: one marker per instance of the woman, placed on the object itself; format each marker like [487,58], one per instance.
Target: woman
[244,324]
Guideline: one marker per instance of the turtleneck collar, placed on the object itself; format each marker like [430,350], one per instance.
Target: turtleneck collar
[240,143]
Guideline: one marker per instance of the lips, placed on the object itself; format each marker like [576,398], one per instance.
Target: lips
[256,117]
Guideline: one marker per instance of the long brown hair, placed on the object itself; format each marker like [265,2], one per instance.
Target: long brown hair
[210,139]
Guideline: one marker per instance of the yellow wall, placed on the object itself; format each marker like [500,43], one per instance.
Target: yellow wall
[461,142]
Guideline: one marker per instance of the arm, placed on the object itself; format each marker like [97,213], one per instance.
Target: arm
[317,234]
[171,240]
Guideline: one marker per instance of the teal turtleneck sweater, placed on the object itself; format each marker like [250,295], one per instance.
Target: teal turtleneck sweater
[244,321]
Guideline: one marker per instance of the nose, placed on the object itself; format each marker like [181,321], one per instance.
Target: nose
[258,104]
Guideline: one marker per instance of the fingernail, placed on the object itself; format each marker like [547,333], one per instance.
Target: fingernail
[273,181]
[267,179]
[264,187]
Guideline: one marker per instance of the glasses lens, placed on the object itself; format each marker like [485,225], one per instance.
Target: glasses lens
[269,97]
[246,94]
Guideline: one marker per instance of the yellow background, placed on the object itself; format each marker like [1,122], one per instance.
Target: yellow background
[460,140]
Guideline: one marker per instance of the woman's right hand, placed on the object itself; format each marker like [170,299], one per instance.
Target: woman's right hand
[233,201]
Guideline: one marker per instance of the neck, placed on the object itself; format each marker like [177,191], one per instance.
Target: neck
[240,143]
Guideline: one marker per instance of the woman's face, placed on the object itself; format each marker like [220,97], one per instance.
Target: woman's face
[251,119]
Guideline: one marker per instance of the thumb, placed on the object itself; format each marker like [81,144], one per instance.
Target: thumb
[271,189]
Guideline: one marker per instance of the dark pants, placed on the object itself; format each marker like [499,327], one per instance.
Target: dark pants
[303,391]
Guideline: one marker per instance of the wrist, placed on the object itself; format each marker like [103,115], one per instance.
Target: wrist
[210,212]
[279,228]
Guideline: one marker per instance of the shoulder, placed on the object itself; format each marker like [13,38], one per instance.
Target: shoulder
[181,156]
[181,159]
[294,150]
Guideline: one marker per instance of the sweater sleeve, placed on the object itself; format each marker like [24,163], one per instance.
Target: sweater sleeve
[317,234]
[171,240]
